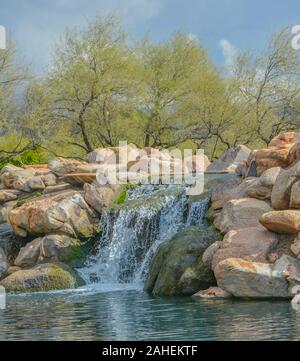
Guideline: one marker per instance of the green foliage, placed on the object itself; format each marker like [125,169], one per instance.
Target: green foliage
[103,89]
[123,195]
[33,156]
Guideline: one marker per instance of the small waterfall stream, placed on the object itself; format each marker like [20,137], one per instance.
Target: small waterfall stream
[132,232]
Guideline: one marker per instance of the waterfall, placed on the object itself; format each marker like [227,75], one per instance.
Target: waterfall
[197,212]
[132,232]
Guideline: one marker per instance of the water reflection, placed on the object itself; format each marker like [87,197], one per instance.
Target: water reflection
[133,315]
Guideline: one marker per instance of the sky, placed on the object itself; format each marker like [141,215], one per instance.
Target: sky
[223,26]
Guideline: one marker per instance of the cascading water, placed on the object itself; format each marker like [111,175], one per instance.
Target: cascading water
[132,232]
[197,212]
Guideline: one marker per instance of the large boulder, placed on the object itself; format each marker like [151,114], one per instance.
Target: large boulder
[44,277]
[285,139]
[283,222]
[99,197]
[113,155]
[227,188]
[282,189]
[29,254]
[268,158]
[63,213]
[49,249]
[63,166]
[177,268]
[230,161]
[241,213]
[26,180]
[251,244]
[58,248]
[7,195]
[210,252]
[262,187]
[244,279]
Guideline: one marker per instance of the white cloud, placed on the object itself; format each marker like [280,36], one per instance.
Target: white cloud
[193,37]
[229,53]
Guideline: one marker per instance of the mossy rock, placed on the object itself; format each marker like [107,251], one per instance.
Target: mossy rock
[177,268]
[154,200]
[44,277]
[210,215]
[81,251]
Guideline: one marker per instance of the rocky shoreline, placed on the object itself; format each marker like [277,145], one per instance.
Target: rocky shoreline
[250,249]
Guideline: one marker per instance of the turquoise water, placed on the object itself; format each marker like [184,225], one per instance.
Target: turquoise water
[99,314]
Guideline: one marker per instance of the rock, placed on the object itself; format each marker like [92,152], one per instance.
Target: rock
[26,180]
[268,158]
[58,188]
[285,139]
[294,153]
[281,192]
[209,253]
[115,155]
[63,213]
[5,209]
[230,160]
[241,213]
[248,169]
[289,267]
[177,267]
[295,196]
[262,188]
[62,166]
[102,156]
[44,277]
[12,270]
[7,195]
[197,163]
[295,247]
[9,243]
[283,222]
[29,254]
[49,179]
[58,248]
[40,167]
[251,244]
[99,197]
[226,189]
[212,293]
[3,264]
[244,279]
[79,179]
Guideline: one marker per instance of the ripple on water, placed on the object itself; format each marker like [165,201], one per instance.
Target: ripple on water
[116,313]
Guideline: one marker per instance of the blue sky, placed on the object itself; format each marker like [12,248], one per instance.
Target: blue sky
[244,24]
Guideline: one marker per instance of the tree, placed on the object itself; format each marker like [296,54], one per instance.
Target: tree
[91,84]
[13,139]
[171,73]
[270,86]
